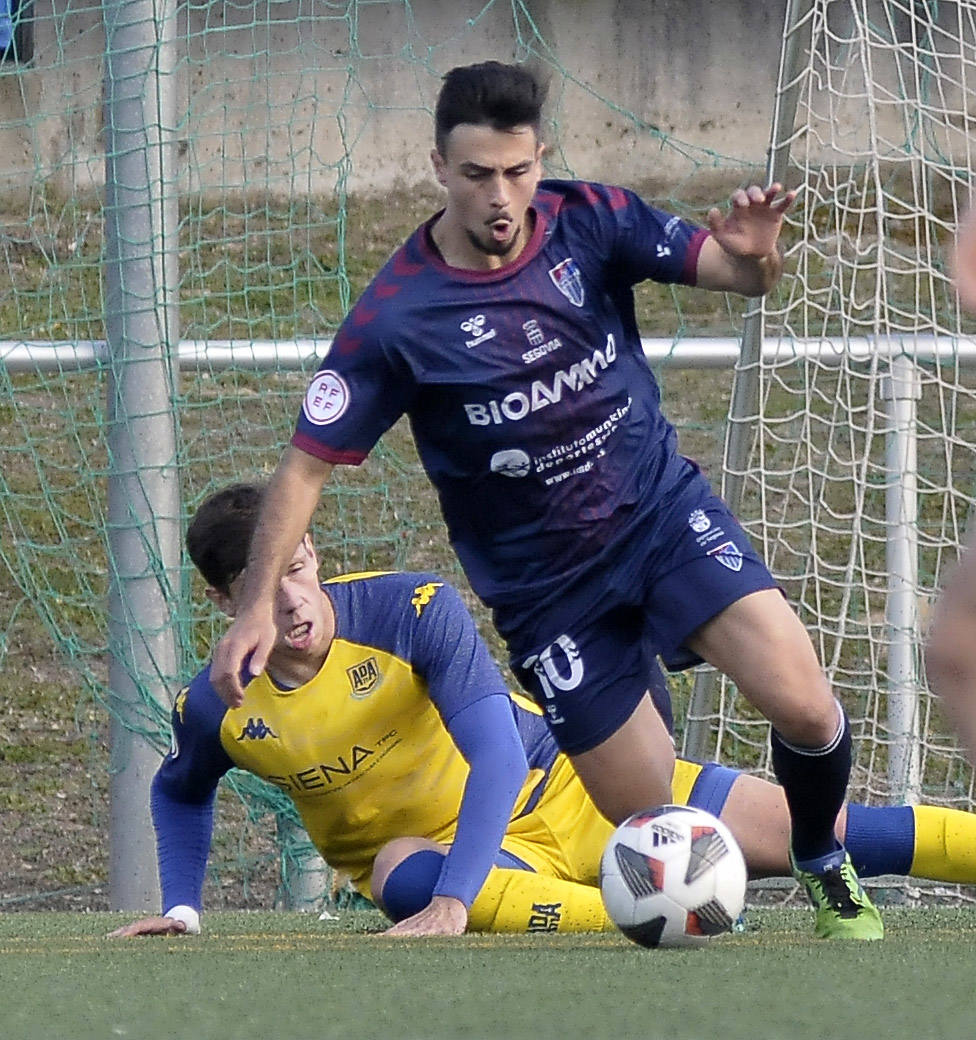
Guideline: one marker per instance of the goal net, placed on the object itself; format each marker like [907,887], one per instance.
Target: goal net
[299,161]
[856,475]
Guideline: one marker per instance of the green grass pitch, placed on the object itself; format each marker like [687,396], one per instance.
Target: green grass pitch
[278,976]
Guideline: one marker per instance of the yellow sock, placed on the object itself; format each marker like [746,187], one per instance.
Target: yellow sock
[520,901]
[945,845]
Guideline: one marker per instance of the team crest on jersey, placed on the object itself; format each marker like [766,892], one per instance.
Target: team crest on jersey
[728,555]
[698,521]
[566,277]
[364,677]
[326,399]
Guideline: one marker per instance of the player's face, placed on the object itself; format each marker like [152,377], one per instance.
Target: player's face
[301,613]
[490,176]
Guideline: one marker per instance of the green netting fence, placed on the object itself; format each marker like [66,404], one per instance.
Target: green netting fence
[285,158]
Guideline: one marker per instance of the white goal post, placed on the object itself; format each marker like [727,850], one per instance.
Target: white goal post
[855,471]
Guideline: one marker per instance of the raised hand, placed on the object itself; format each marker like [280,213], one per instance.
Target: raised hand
[751,228]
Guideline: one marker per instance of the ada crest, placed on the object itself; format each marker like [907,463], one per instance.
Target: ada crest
[728,555]
[364,677]
[567,279]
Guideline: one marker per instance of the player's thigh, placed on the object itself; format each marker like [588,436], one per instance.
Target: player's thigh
[630,770]
[589,679]
[761,644]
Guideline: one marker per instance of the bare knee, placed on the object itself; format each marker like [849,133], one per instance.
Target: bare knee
[812,725]
[392,854]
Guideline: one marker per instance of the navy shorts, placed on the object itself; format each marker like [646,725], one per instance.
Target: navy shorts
[598,655]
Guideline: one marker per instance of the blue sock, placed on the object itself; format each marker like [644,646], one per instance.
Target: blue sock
[880,839]
[814,781]
[409,887]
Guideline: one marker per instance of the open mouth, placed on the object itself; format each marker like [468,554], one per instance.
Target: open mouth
[299,636]
[500,229]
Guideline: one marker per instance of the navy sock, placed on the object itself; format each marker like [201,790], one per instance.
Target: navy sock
[409,886]
[814,781]
[880,839]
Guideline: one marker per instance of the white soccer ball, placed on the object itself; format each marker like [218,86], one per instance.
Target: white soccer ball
[673,876]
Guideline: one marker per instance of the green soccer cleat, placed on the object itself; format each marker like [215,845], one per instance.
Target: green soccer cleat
[844,910]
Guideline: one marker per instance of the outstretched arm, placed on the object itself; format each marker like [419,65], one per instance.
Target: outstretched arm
[183,832]
[486,735]
[742,253]
[286,511]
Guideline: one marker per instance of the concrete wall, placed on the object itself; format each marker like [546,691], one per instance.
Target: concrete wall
[286,96]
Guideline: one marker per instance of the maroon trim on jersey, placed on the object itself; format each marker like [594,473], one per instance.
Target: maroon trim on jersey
[334,456]
[432,254]
[690,273]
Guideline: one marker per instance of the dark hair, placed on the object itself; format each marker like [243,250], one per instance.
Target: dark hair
[219,535]
[500,96]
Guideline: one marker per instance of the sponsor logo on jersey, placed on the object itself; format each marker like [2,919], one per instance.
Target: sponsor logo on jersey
[475,327]
[698,521]
[364,677]
[512,462]
[423,594]
[533,332]
[518,404]
[537,341]
[728,555]
[256,729]
[566,277]
[326,399]
[323,774]
[545,917]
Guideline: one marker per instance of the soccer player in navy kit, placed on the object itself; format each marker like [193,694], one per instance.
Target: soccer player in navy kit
[383,718]
[504,328]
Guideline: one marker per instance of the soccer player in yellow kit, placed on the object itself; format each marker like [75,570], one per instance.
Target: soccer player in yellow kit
[418,774]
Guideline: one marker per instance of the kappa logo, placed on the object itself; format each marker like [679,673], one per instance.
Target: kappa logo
[728,555]
[256,729]
[423,594]
[698,521]
[568,279]
[475,327]
[364,677]
[179,705]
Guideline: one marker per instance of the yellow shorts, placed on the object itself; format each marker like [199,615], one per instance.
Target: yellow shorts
[565,835]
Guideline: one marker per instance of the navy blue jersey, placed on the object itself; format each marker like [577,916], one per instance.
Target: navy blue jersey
[533,408]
